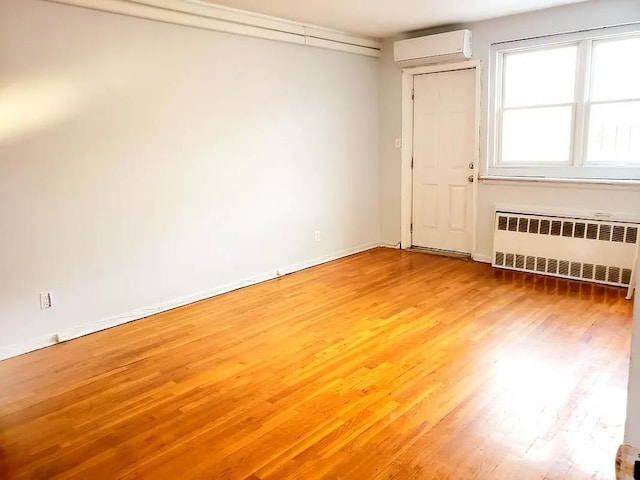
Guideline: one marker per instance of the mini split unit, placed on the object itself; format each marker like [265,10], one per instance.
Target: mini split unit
[444,47]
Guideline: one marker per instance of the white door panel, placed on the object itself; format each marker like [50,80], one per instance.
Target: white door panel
[430,201]
[443,142]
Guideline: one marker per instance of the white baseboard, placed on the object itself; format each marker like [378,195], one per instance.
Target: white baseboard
[389,245]
[37,343]
[478,257]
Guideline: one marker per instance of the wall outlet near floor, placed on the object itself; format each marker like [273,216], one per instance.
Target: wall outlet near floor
[45,300]
[398,143]
[318,236]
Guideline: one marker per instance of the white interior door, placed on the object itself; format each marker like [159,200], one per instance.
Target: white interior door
[443,142]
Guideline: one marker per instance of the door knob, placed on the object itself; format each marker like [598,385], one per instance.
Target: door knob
[470,178]
[471,165]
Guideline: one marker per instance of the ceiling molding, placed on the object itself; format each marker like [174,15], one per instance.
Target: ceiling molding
[204,15]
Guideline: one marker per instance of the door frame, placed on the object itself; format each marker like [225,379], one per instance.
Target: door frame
[406,187]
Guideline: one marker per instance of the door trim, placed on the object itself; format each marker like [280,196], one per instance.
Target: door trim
[406,188]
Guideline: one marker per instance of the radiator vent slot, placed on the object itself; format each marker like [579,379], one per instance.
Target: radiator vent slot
[576,270]
[545,226]
[531,264]
[590,250]
[509,260]
[614,275]
[564,268]
[587,271]
[618,234]
[591,231]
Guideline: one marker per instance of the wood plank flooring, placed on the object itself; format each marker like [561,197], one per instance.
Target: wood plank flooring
[387,364]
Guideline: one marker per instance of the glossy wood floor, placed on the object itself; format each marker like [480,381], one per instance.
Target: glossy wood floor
[387,364]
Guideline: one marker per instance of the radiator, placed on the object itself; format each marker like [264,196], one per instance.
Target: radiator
[590,250]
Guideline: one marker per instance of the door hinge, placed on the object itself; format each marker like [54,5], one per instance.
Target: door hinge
[413,94]
[411,228]
[411,162]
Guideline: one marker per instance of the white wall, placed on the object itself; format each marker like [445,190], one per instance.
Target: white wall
[142,162]
[551,21]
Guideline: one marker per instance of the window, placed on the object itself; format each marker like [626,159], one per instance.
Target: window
[567,110]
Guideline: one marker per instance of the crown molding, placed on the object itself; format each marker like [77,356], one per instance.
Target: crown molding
[208,16]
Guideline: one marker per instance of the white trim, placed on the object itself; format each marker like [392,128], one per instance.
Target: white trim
[566,182]
[477,257]
[341,37]
[343,47]
[205,15]
[406,188]
[8,351]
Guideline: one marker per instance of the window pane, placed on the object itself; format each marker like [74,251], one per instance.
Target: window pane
[614,133]
[616,69]
[537,135]
[540,77]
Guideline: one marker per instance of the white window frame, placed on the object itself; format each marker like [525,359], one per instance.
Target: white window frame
[577,167]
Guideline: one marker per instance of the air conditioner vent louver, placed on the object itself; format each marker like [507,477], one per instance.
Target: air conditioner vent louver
[592,250]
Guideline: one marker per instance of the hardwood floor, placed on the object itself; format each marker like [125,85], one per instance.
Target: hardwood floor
[387,364]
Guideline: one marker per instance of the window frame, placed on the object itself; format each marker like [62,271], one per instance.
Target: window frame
[577,167]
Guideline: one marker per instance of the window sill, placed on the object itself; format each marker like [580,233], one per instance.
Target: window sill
[498,180]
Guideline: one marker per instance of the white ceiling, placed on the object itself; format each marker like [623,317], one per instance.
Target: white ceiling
[383,18]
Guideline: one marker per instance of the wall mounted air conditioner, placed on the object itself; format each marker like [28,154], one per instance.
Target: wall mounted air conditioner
[444,47]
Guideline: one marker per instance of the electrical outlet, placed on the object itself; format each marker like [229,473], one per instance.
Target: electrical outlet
[45,300]
[317,235]
[398,143]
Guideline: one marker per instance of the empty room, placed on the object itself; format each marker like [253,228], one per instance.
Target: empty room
[267,239]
